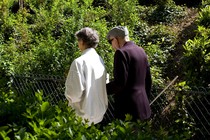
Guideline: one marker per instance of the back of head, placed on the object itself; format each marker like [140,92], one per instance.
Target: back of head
[118,31]
[89,36]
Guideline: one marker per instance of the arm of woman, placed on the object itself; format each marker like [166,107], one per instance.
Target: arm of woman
[74,85]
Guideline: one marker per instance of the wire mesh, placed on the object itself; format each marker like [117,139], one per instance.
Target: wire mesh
[174,104]
[192,106]
[52,87]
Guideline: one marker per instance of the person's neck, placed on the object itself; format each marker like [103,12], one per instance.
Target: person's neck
[122,43]
[84,48]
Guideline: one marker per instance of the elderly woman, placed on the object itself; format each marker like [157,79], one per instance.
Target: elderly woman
[86,80]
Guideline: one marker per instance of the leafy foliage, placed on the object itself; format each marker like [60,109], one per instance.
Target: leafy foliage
[166,13]
[204,17]
[38,119]
[41,34]
[197,60]
[39,38]
[164,36]
[157,59]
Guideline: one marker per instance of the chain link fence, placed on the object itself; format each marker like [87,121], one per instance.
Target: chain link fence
[53,88]
[182,109]
[185,110]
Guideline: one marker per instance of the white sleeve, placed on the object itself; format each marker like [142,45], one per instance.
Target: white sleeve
[74,85]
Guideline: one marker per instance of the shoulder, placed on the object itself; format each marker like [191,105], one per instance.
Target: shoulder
[77,63]
[119,52]
[78,60]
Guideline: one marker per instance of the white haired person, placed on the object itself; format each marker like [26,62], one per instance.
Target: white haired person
[85,87]
[132,81]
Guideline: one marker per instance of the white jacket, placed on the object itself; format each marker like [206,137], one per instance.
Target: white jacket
[86,86]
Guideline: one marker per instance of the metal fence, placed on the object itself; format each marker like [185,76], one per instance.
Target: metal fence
[183,109]
[191,106]
[51,86]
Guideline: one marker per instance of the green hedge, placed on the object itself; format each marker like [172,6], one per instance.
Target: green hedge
[27,117]
[40,37]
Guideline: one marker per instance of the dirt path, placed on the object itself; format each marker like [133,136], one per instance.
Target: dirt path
[187,26]
[185,29]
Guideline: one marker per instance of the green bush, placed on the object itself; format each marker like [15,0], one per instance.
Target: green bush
[141,32]
[39,39]
[204,17]
[44,40]
[36,118]
[197,58]
[188,3]
[204,3]
[123,12]
[6,65]
[167,13]
[164,36]
[157,58]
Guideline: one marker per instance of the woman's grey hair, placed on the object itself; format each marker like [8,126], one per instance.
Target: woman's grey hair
[89,36]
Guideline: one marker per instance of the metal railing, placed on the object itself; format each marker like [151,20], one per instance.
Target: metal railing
[183,109]
[193,105]
[52,87]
